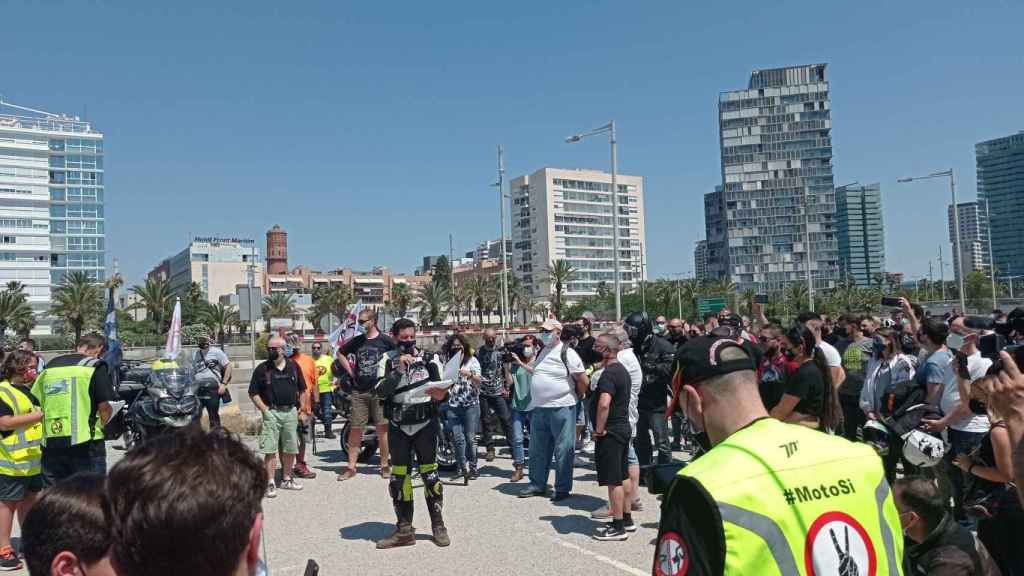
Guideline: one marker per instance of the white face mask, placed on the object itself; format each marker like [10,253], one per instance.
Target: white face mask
[528,351]
[955,341]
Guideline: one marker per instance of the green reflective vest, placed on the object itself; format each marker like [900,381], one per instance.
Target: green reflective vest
[323,373]
[63,393]
[788,500]
[21,451]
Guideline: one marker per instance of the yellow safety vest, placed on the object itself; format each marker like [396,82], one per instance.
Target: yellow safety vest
[21,451]
[323,373]
[791,501]
[63,392]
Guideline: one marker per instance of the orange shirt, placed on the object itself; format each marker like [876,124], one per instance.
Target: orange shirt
[312,391]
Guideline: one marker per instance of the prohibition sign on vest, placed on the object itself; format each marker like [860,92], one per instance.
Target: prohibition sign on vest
[673,556]
[837,545]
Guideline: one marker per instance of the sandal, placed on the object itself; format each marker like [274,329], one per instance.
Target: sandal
[348,474]
[385,472]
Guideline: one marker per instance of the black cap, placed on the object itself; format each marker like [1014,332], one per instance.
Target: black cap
[710,356]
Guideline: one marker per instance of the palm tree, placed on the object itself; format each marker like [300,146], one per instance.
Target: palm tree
[78,302]
[15,312]
[219,317]
[462,301]
[192,304]
[156,299]
[432,298]
[15,286]
[796,297]
[560,273]
[401,299]
[518,297]
[479,289]
[279,305]
[334,299]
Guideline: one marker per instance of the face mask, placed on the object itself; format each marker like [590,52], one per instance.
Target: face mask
[659,328]
[316,353]
[273,354]
[788,354]
[288,350]
[489,341]
[955,341]
[31,374]
[407,346]
[204,345]
[528,351]
[547,337]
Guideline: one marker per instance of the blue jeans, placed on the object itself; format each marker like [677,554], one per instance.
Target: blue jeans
[327,408]
[552,431]
[464,421]
[518,420]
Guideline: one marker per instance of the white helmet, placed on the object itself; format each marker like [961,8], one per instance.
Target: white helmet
[922,449]
[876,435]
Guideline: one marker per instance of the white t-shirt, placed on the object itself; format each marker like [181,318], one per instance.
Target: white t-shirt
[831,355]
[629,361]
[976,366]
[550,386]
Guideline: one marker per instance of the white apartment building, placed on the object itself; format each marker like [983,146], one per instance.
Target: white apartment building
[51,202]
[217,265]
[560,214]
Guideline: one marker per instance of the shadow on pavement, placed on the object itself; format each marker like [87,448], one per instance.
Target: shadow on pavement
[370,531]
[573,524]
[591,477]
[581,502]
[496,472]
[511,489]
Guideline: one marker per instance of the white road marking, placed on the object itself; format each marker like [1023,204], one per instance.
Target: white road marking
[599,557]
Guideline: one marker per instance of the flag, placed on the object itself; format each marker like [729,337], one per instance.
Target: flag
[348,329]
[114,353]
[173,347]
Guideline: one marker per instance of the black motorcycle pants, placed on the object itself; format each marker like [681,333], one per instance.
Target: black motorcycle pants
[424,445]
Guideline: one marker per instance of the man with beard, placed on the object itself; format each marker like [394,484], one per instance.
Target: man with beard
[771,372]
[493,392]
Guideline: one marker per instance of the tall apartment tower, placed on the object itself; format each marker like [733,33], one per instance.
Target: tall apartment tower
[1000,165]
[973,236]
[51,202]
[277,251]
[776,146]
[567,215]
[700,260]
[861,233]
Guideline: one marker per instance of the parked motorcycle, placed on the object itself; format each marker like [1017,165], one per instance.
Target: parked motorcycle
[167,402]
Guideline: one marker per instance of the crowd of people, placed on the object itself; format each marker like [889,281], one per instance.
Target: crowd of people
[823,442]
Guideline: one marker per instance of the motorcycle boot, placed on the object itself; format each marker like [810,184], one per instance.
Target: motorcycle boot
[434,492]
[404,535]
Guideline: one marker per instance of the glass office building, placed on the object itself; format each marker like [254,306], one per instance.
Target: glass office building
[776,147]
[1000,164]
[861,233]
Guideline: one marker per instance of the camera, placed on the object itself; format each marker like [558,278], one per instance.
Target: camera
[891,301]
[571,332]
[512,349]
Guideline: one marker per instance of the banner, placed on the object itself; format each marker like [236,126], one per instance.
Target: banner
[173,347]
[114,353]
[349,327]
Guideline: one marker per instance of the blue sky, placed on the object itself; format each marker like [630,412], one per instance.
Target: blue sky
[368,129]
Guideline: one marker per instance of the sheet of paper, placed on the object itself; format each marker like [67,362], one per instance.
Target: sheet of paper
[440,385]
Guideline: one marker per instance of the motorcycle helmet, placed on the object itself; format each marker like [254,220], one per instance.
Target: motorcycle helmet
[876,435]
[638,327]
[922,449]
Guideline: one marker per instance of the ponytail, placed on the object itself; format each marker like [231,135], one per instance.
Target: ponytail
[830,409]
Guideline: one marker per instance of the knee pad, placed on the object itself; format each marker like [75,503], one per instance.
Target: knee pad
[432,484]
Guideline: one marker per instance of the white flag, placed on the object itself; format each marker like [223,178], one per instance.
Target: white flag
[173,347]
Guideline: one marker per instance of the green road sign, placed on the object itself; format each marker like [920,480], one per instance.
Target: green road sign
[712,305]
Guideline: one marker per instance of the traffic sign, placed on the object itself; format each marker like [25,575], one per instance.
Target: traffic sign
[711,305]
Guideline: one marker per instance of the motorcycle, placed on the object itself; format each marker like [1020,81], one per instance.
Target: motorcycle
[169,401]
[132,376]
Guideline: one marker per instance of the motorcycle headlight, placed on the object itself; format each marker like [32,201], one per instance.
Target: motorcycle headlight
[167,406]
[188,404]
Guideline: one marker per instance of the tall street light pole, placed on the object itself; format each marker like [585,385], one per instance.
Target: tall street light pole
[504,259]
[991,260]
[959,253]
[609,129]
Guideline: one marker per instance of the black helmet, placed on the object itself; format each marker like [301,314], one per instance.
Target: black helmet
[639,327]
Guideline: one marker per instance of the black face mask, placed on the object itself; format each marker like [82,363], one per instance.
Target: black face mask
[273,354]
[407,347]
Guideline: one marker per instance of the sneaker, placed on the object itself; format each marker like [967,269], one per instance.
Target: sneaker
[588,448]
[474,474]
[302,471]
[602,513]
[629,525]
[637,506]
[610,532]
[559,496]
[8,559]
[530,492]
[489,456]
[271,489]
[291,484]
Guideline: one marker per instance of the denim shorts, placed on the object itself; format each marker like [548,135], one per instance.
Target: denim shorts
[631,459]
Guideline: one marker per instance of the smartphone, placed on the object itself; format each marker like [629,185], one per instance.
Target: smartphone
[891,301]
[760,299]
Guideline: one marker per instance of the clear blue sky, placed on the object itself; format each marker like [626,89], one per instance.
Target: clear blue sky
[368,129]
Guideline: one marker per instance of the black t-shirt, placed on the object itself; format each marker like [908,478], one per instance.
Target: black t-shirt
[615,382]
[368,352]
[808,385]
[6,410]
[585,349]
[101,389]
[278,387]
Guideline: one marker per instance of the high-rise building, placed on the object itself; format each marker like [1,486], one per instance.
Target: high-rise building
[51,202]
[217,265]
[567,215]
[973,235]
[776,149]
[700,260]
[277,251]
[1000,165]
[861,232]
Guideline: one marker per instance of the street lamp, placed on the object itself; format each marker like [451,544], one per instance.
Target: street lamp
[504,259]
[609,129]
[956,228]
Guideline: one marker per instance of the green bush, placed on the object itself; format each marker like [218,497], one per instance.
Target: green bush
[191,332]
[261,346]
[55,342]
